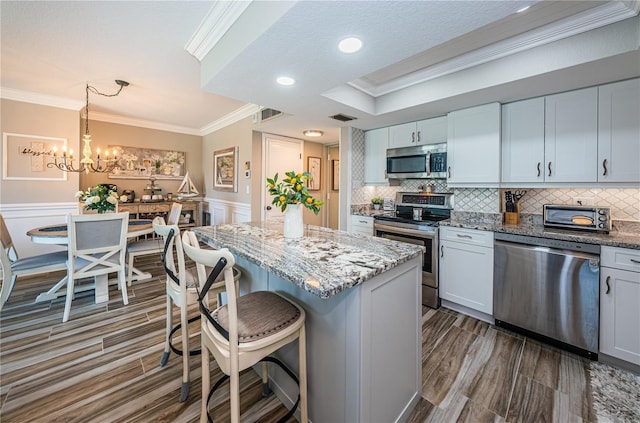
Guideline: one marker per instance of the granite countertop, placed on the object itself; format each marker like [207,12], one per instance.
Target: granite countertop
[616,238]
[323,262]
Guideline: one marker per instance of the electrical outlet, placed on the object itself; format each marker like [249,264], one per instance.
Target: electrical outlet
[583,201]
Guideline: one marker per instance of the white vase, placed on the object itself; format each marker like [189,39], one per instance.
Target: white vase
[293,225]
[177,169]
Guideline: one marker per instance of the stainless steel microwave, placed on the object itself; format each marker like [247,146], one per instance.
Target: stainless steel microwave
[577,217]
[421,162]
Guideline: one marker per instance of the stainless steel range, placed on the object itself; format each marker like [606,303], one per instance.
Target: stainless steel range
[415,221]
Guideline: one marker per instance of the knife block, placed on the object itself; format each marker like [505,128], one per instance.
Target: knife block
[511,218]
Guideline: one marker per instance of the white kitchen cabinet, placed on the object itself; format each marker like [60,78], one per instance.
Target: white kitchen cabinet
[571,136]
[619,132]
[466,268]
[473,146]
[428,131]
[523,141]
[362,225]
[376,143]
[620,303]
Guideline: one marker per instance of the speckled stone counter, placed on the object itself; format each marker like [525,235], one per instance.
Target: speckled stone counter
[362,300]
[324,262]
[624,236]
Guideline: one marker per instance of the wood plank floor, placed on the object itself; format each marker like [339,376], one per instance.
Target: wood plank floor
[103,366]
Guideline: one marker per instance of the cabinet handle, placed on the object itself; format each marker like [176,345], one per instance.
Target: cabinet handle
[418,136]
[362,221]
[549,169]
[449,172]
[464,236]
[608,286]
[538,169]
[413,137]
[634,261]
[604,166]
[441,251]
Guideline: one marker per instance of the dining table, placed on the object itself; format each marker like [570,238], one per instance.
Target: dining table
[57,234]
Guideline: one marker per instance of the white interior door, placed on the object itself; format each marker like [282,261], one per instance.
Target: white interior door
[281,155]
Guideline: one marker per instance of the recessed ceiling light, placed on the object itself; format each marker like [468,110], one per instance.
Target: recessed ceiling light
[285,80]
[350,45]
[522,9]
[313,133]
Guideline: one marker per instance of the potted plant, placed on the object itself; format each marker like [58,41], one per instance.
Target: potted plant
[290,195]
[99,198]
[377,202]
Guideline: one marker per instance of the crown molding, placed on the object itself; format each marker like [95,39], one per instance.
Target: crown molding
[220,18]
[106,117]
[588,20]
[230,118]
[41,99]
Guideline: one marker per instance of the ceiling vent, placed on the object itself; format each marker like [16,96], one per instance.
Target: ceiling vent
[268,114]
[342,118]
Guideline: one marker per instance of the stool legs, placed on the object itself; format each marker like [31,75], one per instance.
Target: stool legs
[167,351]
[206,384]
[184,391]
[302,370]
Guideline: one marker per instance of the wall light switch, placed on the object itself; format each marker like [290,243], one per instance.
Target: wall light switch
[247,174]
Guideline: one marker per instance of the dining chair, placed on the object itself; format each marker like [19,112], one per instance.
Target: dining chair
[181,291]
[146,247]
[13,266]
[97,246]
[245,331]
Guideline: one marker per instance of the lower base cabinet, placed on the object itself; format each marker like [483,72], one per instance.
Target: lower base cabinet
[620,304]
[466,268]
[362,225]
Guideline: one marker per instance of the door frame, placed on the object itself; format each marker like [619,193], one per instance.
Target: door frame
[263,176]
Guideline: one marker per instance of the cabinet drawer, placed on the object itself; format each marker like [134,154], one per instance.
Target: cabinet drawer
[362,221]
[620,258]
[153,208]
[467,236]
[129,208]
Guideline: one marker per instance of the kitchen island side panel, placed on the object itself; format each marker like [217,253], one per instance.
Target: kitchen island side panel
[363,346]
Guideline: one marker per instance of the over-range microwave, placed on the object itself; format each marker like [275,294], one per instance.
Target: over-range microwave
[421,162]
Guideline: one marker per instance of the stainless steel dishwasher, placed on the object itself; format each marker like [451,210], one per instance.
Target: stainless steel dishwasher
[548,289]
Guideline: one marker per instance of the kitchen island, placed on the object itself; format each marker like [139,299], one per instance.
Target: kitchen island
[361,296]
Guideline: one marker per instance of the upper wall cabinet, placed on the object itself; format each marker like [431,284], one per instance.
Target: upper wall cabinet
[571,136]
[429,131]
[523,141]
[473,146]
[619,132]
[376,143]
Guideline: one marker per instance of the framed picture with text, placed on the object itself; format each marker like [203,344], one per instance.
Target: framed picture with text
[314,168]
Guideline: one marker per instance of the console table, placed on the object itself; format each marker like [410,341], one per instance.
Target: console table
[142,210]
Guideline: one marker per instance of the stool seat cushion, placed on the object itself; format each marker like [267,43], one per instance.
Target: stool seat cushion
[260,314]
[146,245]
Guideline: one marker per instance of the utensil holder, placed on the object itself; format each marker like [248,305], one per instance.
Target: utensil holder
[511,218]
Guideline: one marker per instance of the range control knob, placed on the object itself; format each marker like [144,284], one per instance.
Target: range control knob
[601,225]
[601,212]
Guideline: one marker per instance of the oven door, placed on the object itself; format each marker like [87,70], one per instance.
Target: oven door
[426,239]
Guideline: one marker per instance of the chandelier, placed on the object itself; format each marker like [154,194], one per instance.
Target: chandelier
[106,164]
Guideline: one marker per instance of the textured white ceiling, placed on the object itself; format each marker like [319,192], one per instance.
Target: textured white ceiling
[52,49]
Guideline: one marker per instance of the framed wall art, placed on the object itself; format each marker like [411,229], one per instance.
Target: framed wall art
[335,175]
[225,169]
[136,162]
[314,168]
[25,157]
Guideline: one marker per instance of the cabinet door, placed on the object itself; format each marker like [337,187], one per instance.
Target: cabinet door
[376,143]
[362,225]
[523,141]
[432,131]
[571,136]
[473,146]
[620,314]
[466,275]
[619,132]
[402,135]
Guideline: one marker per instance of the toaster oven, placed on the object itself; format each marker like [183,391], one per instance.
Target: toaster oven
[586,218]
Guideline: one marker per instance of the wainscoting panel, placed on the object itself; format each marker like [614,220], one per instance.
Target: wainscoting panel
[20,218]
[223,212]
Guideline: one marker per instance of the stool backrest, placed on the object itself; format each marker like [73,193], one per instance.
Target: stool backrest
[172,250]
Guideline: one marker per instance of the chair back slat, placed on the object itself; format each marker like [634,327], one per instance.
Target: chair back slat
[7,242]
[174,214]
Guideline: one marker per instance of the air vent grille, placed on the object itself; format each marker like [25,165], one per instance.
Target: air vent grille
[342,118]
[266,114]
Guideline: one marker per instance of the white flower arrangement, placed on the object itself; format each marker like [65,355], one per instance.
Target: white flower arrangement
[129,158]
[98,198]
[174,157]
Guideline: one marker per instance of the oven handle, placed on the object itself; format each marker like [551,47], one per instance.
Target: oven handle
[404,231]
